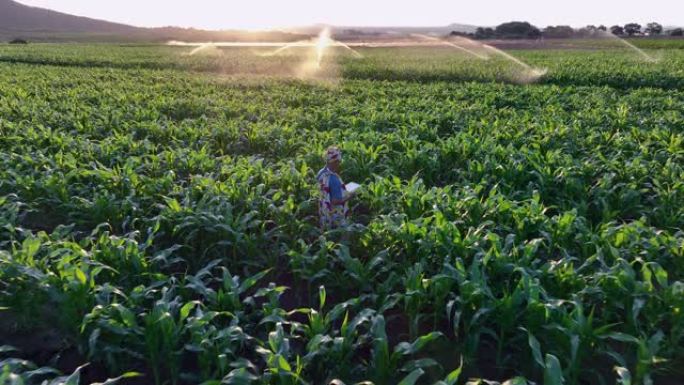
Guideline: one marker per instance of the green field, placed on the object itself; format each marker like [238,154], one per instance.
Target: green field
[158,216]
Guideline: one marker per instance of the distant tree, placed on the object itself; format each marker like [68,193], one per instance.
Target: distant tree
[654,29]
[18,41]
[558,32]
[589,30]
[617,30]
[517,30]
[632,29]
[484,33]
[602,28]
[677,32]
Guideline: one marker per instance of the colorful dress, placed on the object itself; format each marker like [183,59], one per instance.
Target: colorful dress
[331,186]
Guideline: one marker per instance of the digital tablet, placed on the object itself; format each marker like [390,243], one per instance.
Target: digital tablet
[351,187]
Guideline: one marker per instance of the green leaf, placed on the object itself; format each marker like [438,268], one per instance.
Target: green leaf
[112,381]
[7,349]
[622,337]
[636,309]
[553,374]
[516,381]
[40,372]
[574,347]
[251,281]
[654,343]
[417,364]
[30,246]
[92,340]
[277,340]
[452,378]
[648,280]
[173,205]
[412,377]
[418,344]
[536,349]
[567,219]
[186,309]
[321,296]
[617,357]
[126,314]
[239,376]
[283,364]
[624,376]
[660,273]
[345,323]
[80,276]
[74,378]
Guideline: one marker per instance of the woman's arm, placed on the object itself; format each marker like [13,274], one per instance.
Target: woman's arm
[337,197]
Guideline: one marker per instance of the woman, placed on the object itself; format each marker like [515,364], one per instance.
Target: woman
[332,206]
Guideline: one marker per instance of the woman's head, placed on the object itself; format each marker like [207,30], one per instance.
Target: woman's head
[333,158]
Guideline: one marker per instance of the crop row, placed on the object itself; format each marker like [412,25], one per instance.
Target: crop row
[618,68]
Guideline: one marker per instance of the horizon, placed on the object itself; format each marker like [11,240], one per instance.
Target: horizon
[216,15]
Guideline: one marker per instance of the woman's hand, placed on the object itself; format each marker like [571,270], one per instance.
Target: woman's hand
[340,202]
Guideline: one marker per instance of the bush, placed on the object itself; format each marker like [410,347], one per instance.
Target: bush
[18,41]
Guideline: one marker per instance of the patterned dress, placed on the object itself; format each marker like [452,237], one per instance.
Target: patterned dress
[332,216]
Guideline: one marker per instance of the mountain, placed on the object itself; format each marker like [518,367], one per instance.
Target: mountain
[342,32]
[18,18]
[38,24]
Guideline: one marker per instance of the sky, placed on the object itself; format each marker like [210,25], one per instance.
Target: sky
[262,14]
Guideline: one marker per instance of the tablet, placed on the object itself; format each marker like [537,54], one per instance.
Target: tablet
[351,187]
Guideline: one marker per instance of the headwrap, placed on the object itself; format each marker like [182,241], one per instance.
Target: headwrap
[333,153]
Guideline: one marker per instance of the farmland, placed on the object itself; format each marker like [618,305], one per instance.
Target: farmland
[158,218]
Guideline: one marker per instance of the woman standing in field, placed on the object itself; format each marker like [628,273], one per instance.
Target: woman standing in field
[332,205]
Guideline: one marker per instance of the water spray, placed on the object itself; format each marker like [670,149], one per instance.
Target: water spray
[450,44]
[350,49]
[201,48]
[301,43]
[508,56]
[627,44]
[531,74]
[323,43]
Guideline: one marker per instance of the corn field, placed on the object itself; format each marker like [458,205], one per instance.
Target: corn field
[158,219]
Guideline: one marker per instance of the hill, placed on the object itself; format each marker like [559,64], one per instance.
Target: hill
[18,18]
[351,32]
[38,24]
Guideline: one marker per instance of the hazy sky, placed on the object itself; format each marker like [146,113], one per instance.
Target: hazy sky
[217,14]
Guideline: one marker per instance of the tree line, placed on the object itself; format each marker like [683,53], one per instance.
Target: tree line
[525,30]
